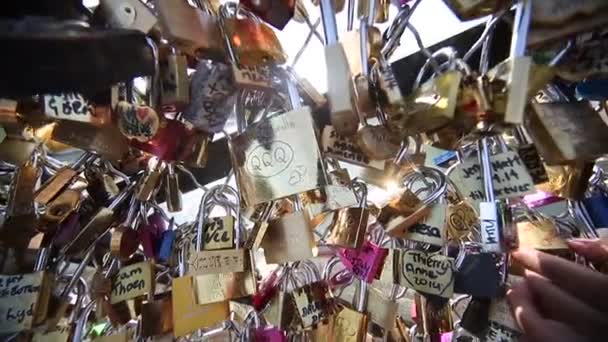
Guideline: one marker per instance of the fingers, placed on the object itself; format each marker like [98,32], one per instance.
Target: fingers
[594,250]
[533,325]
[581,282]
[556,304]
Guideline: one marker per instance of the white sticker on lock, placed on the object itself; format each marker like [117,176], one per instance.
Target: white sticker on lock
[509,177]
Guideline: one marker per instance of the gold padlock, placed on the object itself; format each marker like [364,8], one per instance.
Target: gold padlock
[194,32]
[289,238]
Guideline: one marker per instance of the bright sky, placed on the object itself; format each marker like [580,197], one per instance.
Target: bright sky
[433,20]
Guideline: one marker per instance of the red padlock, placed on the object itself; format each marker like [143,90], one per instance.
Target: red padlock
[275,12]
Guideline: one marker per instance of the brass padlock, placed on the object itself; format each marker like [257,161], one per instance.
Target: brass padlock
[107,140]
[172,191]
[467,10]
[157,315]
[193,31]
[557,130]
[21,198]
[289,238]
[174,82]
[350,224]
[253,42]
[64,177]
[290,166]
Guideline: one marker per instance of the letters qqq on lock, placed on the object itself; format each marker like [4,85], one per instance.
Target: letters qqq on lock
[274,158]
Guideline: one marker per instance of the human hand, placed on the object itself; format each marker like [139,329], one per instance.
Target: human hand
[560,300]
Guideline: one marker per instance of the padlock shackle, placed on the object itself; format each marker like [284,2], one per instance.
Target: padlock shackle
[392,36]
[490,24]
[485,163]
[448,52]
[328,17]
[521,27]
[208,200]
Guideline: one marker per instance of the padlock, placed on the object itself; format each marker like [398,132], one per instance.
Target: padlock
[125,239]
[189,316]
[387,89]
[157,315]
[398,225]
[212,85]
[172,192]
[254,331]
[312,302]
[540,232]
[101,186]
[489,210]
[151,230]
[174,82]
[436,315]
[349,324]
[194,31]
[545,15]
[106,141]
[339,79]
[139,123]
[218,232]
[595,206]
[252,42]
[224,274]
[554,132]
[502,323]
[466,10]
[195,150]
[276,14]
[529,155]
[432,104]
[414,267]
[165,249]
[60,302]
[20,201]
[149,183]
[382,310]
[310,94]
[346,149]
[365,263]
[378,142]
[97,226]
[128,14]
[432,229]
[290,166]
[517,86]
[64,177]
[350,224]
[289,237]
[62,206]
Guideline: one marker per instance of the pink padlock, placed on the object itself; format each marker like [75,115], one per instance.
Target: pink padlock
[541,199]
[151,234]
[269,334]
[365,263]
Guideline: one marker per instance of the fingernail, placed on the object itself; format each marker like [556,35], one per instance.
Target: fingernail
[580,243]
[583,240]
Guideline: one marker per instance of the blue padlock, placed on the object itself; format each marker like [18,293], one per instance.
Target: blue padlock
[593,89]
[597,207]
[166,245]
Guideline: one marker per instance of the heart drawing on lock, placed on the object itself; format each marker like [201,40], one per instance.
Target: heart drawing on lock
[429,273]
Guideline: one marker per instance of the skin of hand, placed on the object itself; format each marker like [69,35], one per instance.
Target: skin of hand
[560,300]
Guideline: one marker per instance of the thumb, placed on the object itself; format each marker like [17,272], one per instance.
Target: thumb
[594,250]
